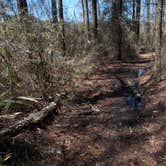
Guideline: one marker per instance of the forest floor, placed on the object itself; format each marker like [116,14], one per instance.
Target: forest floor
[109,132]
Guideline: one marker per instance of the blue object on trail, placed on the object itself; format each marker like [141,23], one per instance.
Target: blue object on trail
[131,101]
[140,106]
[140,72]
[134,103]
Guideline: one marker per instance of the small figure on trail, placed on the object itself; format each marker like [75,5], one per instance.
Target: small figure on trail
[136,97]
[136,101]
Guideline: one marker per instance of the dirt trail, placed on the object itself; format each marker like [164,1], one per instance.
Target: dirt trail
[115,135]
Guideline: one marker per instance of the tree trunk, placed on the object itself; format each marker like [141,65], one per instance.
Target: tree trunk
[138,13]
[116,20]
[148,16]
[94,15]
[87,17]
[133,14]
[158,36]
[120,30]
[83,10]
[99,12]
[54,11]
[154,13]
[22,8]
[148,21]
[62,27]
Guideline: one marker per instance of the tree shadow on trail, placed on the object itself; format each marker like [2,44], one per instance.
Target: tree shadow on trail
[124,143]
[110,149]
[21,152]
[119,92]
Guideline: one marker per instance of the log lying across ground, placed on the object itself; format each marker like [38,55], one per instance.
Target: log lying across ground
[32,120]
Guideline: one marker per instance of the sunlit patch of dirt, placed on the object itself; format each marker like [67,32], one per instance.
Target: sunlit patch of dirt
[154,144]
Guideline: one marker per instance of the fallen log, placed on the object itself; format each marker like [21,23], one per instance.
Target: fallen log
[32,120]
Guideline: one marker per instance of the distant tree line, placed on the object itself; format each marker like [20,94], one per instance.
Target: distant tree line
[117,7]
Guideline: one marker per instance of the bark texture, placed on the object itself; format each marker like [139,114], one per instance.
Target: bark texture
[158,39]
[138,14]
[30,121]
[54,11]
[83,10]
[22,8]
[87,16]
[94,15]
[62,27]
[116,20]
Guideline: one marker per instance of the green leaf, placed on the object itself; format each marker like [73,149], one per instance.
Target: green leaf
[3,51]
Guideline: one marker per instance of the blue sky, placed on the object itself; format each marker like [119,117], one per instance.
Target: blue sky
[40,8]
[72,8]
